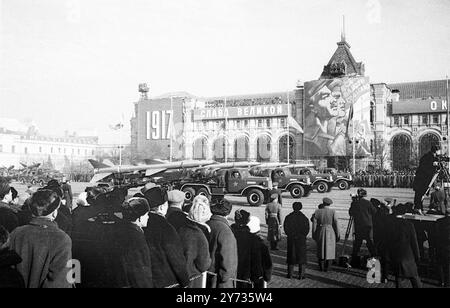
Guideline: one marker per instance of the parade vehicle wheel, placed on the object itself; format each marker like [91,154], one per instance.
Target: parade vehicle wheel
[22,180]
[322,187]
[189,194]
[297,191]
[33,182]
[343,185]
[255,197]
[204,192]
[41,183]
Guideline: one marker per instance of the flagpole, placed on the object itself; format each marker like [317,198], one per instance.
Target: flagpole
[289,112]
[171,128]
[448,112]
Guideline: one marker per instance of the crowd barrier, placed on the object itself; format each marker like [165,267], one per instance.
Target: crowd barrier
[384,180]
[204,277]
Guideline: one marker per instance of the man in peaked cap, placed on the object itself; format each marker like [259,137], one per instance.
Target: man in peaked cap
[175,215]
[327,201]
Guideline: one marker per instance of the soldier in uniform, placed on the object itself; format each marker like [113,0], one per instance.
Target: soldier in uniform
[273,221]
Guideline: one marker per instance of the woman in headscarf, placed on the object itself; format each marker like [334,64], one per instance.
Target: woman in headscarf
[326,234]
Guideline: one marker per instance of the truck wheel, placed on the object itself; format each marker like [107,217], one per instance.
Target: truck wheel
[255,197]
[297,191]
[41,183]
[322,187]
[204,192]
[22,180]
[189,194]
[33,182]
[343,185]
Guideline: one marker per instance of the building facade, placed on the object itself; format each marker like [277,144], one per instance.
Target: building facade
[29,147]
[340,120]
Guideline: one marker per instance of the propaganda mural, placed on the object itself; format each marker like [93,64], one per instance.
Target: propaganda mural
[335,110]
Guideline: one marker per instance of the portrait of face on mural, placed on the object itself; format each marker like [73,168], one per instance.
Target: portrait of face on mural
[326,118]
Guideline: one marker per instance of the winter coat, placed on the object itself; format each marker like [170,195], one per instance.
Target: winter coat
[362,211]
[45,250]
[131,257]
[176,217]
[437,201]
[196,251]
[296,227]
[325,232]
[443,240]
[8,219]
[166,253]
[424,173]
[403,248]
[9,276]
[223,251]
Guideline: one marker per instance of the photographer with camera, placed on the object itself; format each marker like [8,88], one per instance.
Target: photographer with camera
[362,212]
[424,175]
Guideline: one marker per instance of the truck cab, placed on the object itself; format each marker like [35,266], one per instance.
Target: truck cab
[342,180]
[297,185]
[235,181]
[322,182]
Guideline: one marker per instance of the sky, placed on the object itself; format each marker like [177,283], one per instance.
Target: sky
[76,64]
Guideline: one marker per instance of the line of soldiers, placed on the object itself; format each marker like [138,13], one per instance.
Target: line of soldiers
[394,180]
[149,239]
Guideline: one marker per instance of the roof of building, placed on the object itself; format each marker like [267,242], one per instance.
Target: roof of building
[421,89]
[342,63]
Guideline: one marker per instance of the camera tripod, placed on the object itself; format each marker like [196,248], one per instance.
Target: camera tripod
[344,259]
[443,171]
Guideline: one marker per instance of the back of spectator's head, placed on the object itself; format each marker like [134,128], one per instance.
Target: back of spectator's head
[44,202]
[297,206]
[92,193]
[4,188]
[409,207]
[4,237]
[254,224]
[241,217]
[55,188]
[399,209]
[199,210]
[135,208]
[156,196]
[222,207]
[53,182]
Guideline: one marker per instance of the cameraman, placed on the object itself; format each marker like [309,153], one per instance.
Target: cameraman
[423,177]
[362,212]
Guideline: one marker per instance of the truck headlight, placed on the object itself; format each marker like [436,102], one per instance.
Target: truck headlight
[350,177]
[331,178]
[308,180]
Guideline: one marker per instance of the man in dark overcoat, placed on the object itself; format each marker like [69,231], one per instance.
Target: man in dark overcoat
[424,175]
[443,249]
[296,227]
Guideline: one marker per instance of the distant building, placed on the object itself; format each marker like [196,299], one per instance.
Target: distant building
[22,144]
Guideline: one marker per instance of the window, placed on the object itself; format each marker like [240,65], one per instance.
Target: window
[51,150]
[406,120]
[246,123]
[395,120]
[238,124]
[1,147]
[259,123]
[13,149]
[283,122]
[59,150]
[435,119]
[268,123]
[425,119]
[78,151]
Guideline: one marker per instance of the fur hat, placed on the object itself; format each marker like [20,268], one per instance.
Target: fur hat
[135,208]
[241,217]
[222,208]
[44,202]
[327,201]
[147,186]
[155,196]
[175,197]
[297,206]
[254,224]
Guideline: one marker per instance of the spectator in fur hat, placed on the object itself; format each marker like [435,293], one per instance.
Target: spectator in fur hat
[166,250]
[131,256]
[64,218]
[9,276]
[222,247]
[44,248]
